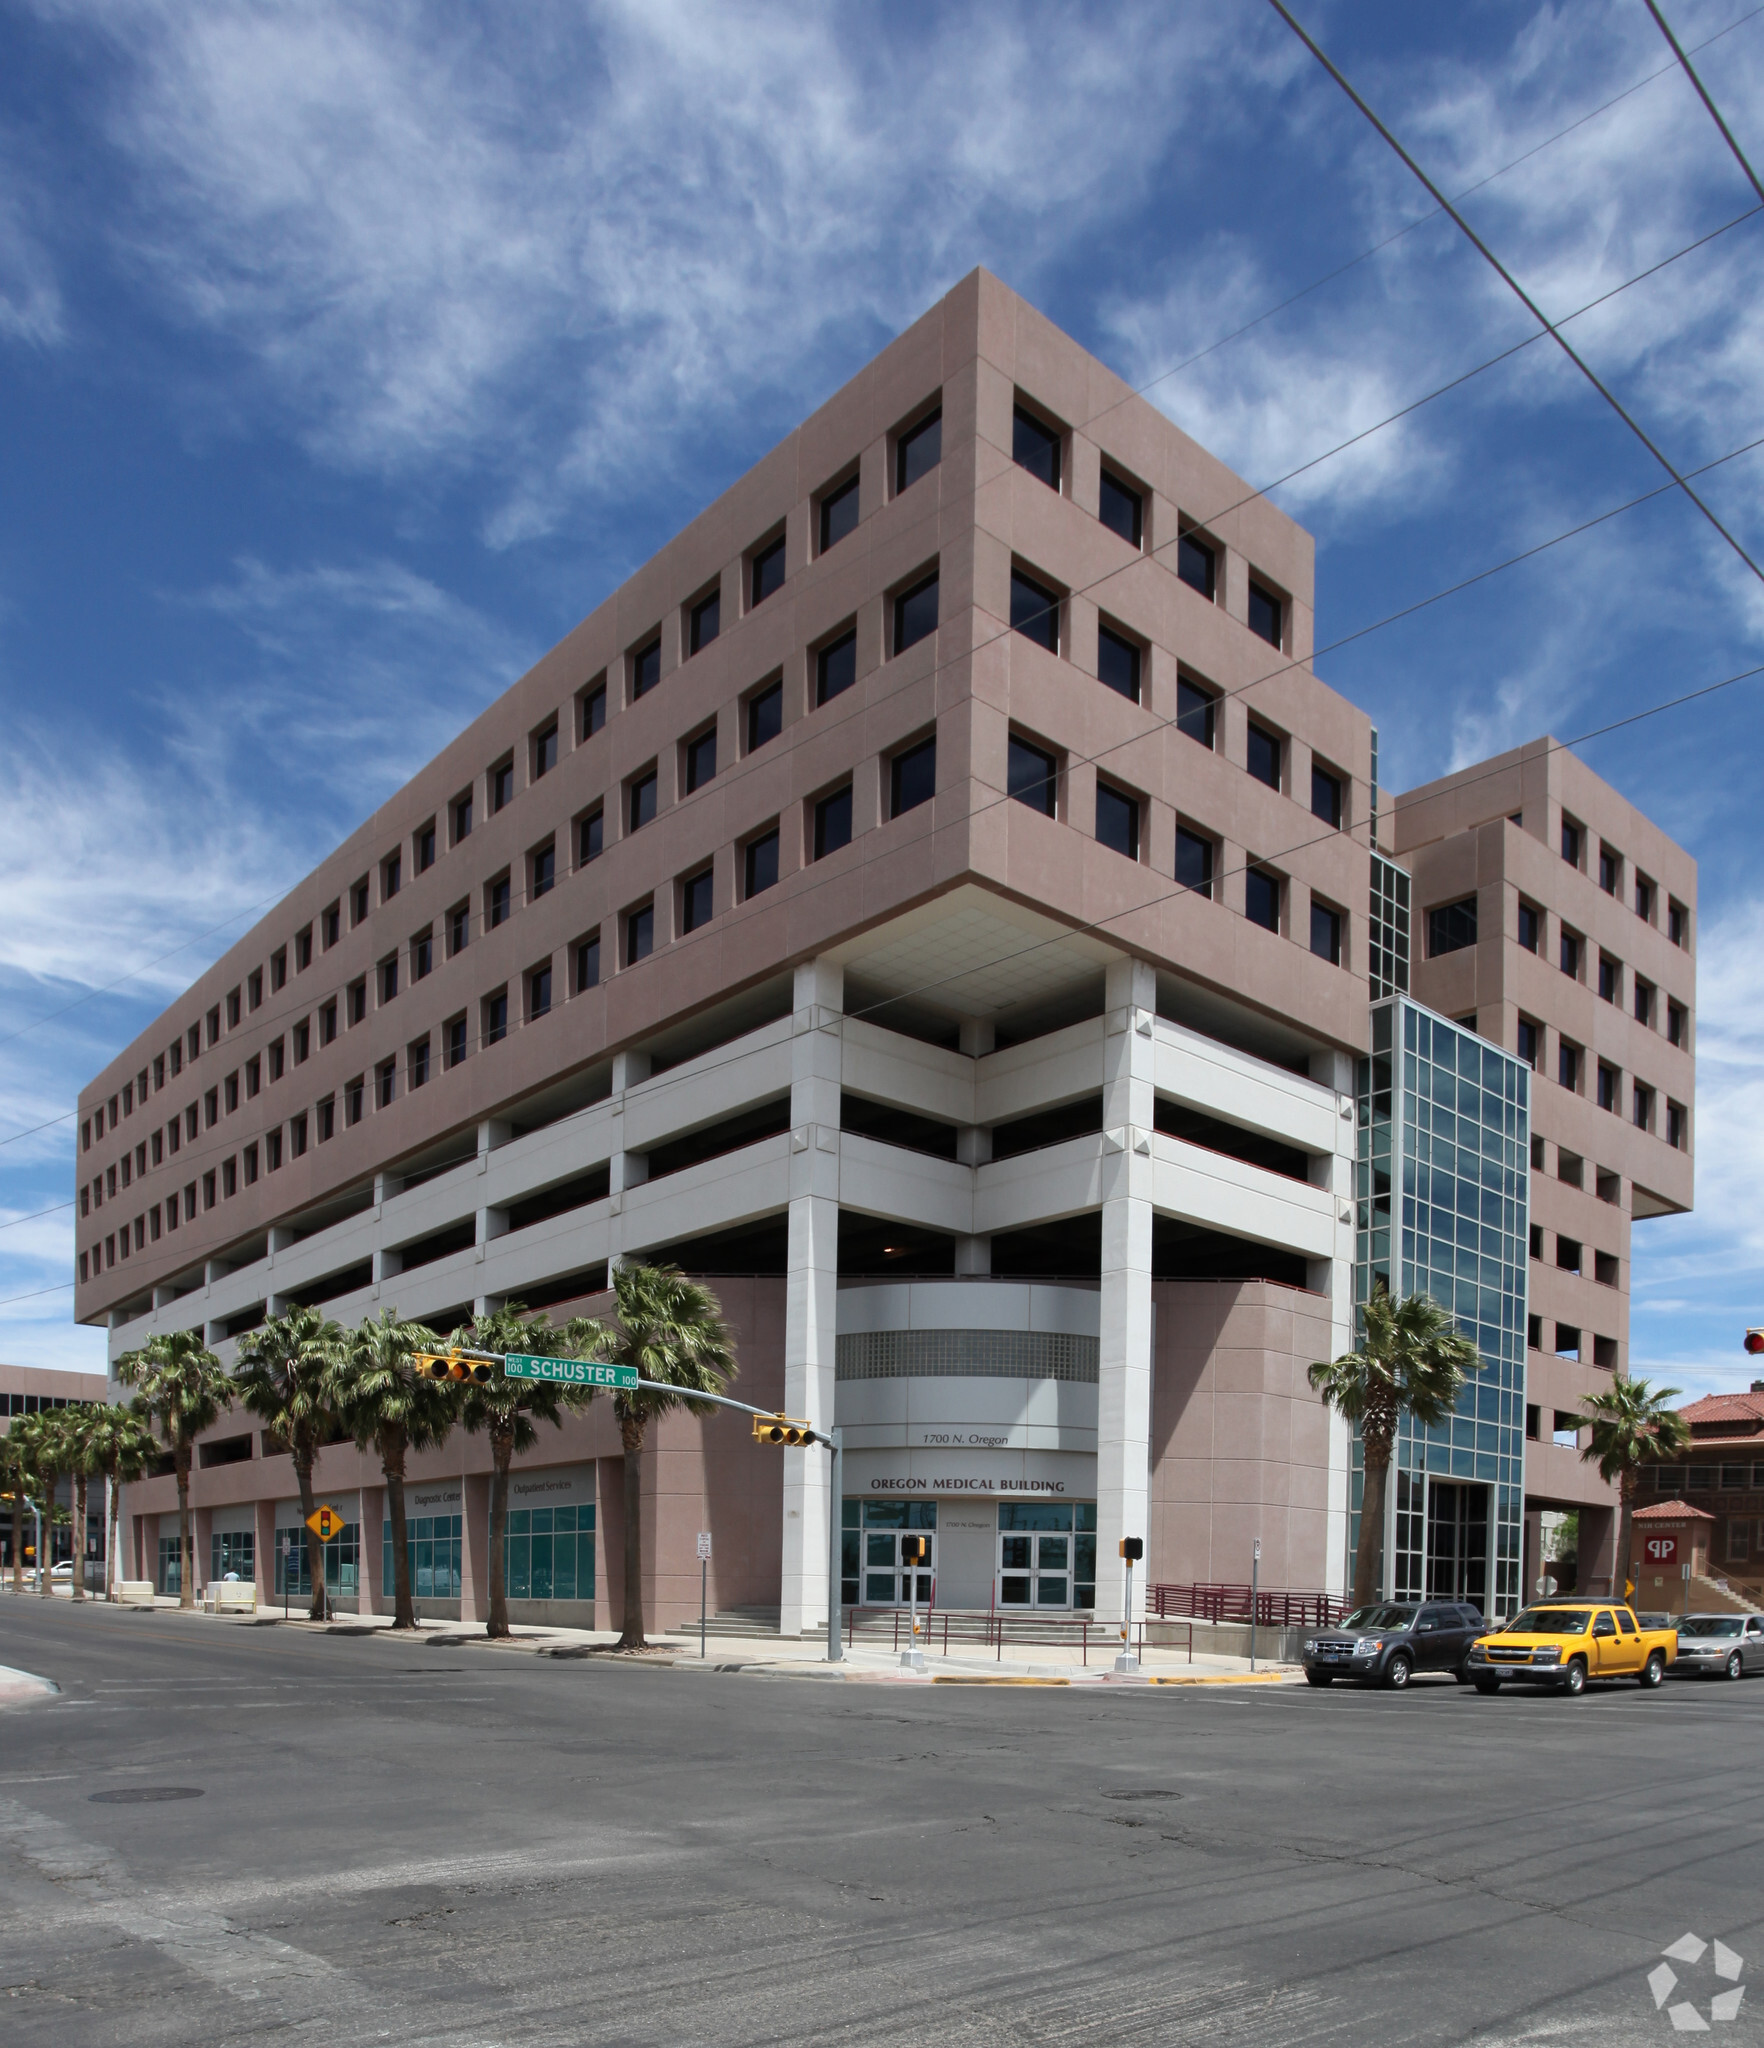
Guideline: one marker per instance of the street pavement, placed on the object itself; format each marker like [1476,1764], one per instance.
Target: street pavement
[225,1832]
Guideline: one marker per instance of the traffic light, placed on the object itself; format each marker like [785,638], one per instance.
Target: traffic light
[781,1429]
[1755,1341]
[436,1365]
[1132,1548]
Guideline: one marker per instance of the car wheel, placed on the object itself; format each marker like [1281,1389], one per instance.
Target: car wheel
[1487,1685]
[1462,1675]
[1319,1677]
[1397,1672]
[1574,1678]
[1653,1670]
[1735,1668]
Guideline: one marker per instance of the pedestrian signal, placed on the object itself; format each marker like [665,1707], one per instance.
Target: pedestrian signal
[912,1550]
[781,1429]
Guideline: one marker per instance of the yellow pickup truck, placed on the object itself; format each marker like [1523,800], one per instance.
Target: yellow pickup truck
[1565,1642]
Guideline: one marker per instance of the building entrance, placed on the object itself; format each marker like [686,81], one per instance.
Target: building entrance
[1457,1542]
[886,1583]
[1046,1554]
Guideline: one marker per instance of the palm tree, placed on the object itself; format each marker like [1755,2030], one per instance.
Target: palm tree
[24,1450]
[387,1406]
[183,1387]
[46,1453]
[1633,1424]
[1411,1361]
[121,1446]
[672,1330]
[13,1482]
[285,1376]
[505,1410]
[79,1436]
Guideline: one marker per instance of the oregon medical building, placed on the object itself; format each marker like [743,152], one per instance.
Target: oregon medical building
[936,900]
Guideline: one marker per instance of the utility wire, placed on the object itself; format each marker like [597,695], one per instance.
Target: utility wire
[1690,72]
[55,1209]
[1517,289]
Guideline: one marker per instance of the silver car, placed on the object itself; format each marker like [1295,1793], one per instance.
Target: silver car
[1719,1645]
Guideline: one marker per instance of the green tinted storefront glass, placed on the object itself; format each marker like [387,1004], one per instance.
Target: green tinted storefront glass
[548,1554]
[435,1542]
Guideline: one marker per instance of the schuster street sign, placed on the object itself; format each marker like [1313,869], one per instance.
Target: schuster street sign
[570,1372]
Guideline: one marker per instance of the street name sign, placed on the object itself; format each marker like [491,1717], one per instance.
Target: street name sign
[569,1372]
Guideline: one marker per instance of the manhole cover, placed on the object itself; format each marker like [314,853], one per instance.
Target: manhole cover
[1152,1794]
[145,1795]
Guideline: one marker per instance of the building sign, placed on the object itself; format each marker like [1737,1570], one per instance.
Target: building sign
[978,1471]
[554,1486]
[1662,1549]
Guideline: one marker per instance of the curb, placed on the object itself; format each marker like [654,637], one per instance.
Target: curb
[18,1686]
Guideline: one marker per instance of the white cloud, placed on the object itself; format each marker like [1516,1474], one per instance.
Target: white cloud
[30,299]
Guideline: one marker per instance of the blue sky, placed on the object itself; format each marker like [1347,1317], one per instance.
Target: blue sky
[349,355]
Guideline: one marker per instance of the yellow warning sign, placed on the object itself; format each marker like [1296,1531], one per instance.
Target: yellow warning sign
[325,1522]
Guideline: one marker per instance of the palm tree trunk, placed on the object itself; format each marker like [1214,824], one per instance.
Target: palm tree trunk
[1369,1550]
[18,1521]
[113,1506]
[186,1544]
[78,1588]
[631,1432]
[303,1460]
[392,1464]
[501,1455]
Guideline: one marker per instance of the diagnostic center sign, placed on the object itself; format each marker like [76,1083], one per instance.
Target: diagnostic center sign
[569,1372]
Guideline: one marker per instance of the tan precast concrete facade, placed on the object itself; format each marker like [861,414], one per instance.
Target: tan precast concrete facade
[1168,1082]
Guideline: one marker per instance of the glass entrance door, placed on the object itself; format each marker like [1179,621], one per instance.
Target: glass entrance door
[1046,1554]
[1457,1542]
[886,1583]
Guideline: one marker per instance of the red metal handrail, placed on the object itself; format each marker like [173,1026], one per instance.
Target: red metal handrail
[1272,1607]
[992,1630]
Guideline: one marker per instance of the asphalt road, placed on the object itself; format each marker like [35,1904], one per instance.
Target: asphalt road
[398,1843]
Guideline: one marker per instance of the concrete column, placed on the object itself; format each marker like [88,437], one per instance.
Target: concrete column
[624,1169]
[265,1562]
[974,1146]
[609,1543]
[369,1598]
[813,1286]
[474,1548]
[1123,1438]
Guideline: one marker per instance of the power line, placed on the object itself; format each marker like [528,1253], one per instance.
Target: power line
[54,1210]
[60,1287]
[65,1116]
[1690,72]
[1518,290]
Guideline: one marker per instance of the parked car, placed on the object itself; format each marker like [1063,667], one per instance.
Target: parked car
[1389,1642]
[1563,1643]
[1655,1618]
[1719,1645]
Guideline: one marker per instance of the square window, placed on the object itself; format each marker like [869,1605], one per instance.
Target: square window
[425,843]
[639,934]
[833,822]
[1197,563]
[640,808]
[1261,899]
[701,760]
[1266,614]
[593,708]
[1194,862]
[765,715]
[918,451]
[462,819]
[1326,933]
[1325,796]
[416,1062]
[459,928]
[915,613]
[545,751]
[1117,663]
[695,900]
[704,622]
[1264,755]
[1451,927]
[836,667]
[645,669]
[1035,611]
[455,1041]
[422,956]
[912,777]
[1031,776]
[496,1017]
[839,514]
[502,786]
[591,837]
[760,863]
[544,870]
[539,993]
[767,573]
[588,964]
[1036,448]
[1195,712]
[1121,509]
[1117,820]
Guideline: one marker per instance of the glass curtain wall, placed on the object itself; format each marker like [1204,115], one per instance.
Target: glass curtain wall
[434,1556]
[294,1562]
[1442,1187]
[548,1554]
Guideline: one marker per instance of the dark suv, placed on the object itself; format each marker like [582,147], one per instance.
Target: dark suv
[1387,1644]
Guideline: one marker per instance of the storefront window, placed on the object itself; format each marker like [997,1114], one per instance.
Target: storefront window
[235,1552]
[294,1562]
[548,1554]
[434,1556]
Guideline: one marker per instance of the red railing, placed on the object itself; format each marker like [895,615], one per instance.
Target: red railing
[939,1629]
[1272,1609]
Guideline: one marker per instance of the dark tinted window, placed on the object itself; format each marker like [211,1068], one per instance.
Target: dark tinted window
[501,793]
[544,870]
[918,450]
[1326,933]
[912,778]
[701,760]
[544,760]
[1571,844]
[1029,776]
[695,901]
[707,621]
[646,669]
[588,965]
[768,571]
[761,863]
[593,711]
[642,801]
[1117,663]
[1264,614]
[1451,927]
[462,829]
[591,839]
[765,715]
[1194,862]
[1197,564]
[499,900]
[1527,1046]
[1261,899]
[1194,712]
[839,514]
[836,668]
[1264,756]
[1325,797]
[639,934]
[1035,611]
[539,992]
[1117,820]
[1120,510]
[915,614]
[1528,928]
[833,822]
[1036,448]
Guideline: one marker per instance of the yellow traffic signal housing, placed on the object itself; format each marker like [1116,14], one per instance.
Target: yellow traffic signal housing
[781,1429]
[912,1550]
[436,1365]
